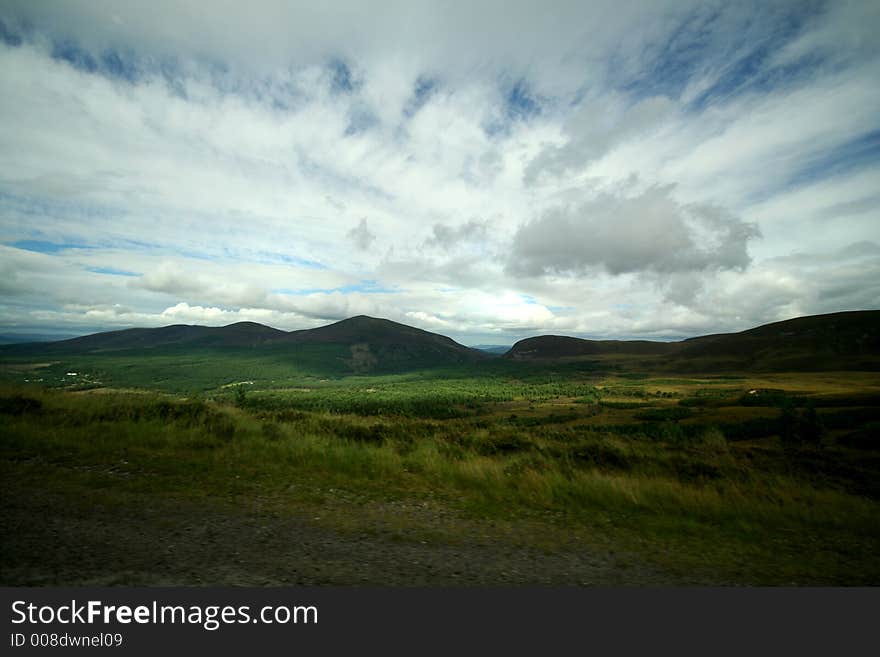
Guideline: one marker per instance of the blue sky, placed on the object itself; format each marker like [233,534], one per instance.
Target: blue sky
[489,171]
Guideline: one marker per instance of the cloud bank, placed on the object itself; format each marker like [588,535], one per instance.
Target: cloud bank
[650,232]
[607,169]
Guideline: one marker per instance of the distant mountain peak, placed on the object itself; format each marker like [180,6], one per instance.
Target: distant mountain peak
[367,343]
[843,340]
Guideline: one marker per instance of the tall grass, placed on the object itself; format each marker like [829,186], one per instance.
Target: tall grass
[569,470]
[658,486]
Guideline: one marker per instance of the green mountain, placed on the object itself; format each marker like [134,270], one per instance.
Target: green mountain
[560,346]
[358,344]
[242,334]
[380,344]
[837,341]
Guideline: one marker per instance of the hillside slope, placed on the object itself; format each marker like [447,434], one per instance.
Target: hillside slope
[560,346]
[836,341]
[845,340]
[242,334]
[380,344]
[361,344]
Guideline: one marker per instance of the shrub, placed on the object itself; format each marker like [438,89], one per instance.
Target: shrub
[220,426]
[290,416]
[271,431]
[673,414]
[20,405]
[374,434]
[766,397]
[867,437]
[713,440]
[502,443]
[601,455]
[802,427]
[688,469]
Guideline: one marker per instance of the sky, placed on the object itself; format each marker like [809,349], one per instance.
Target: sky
[487,170]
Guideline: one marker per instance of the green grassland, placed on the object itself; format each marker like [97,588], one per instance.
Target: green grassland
[730,478]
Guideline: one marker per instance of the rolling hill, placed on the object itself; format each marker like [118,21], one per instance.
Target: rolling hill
[380,344]
[363,344]
[845,340]
[560,346]
[836,341]
[242,334]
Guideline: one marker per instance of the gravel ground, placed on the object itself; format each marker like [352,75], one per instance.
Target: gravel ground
[50,540]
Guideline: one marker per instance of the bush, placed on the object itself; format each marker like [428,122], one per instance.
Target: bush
[868,437]
[20,405]
[290,416]
[670,432]
[602,455]
[713,440]
[502,443]
[759,427]
[690,470]
[673,414]
[271,431]
[220,426]
[375,434]
[802,427]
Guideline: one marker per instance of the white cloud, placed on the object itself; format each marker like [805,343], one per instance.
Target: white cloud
[361,236]
[227,181]
[649,232]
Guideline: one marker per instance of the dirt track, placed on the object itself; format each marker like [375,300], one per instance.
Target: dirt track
[50,540]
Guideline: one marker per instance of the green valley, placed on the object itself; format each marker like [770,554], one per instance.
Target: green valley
[191,462]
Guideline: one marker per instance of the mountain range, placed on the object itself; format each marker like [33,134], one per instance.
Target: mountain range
[837,341]
[844,340]
[364,344]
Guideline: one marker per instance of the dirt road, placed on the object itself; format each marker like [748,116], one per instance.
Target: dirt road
[50,539]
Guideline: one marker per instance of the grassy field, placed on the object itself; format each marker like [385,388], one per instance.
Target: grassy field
[257,472]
